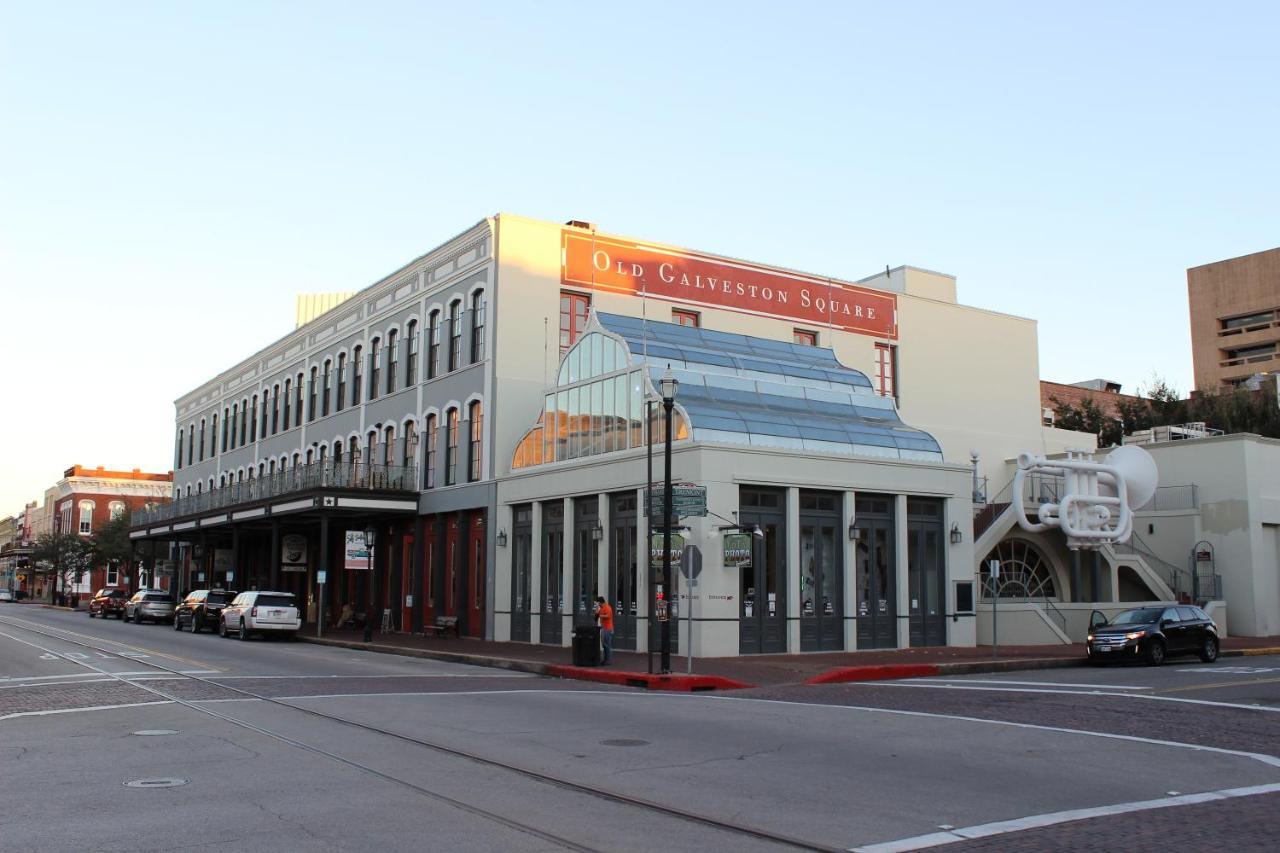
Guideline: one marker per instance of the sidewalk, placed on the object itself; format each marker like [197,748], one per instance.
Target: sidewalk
[632,668]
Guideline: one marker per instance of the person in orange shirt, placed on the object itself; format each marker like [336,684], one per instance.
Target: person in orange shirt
[604,615]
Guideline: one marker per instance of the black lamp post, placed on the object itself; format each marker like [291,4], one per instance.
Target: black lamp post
[669,386]
[370,538]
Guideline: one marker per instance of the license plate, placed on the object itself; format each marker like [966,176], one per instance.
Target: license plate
[277,612]
[1104,648]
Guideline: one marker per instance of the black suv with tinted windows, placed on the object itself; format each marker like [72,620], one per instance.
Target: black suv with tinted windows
[108,602]
[201,609]
[1151,634]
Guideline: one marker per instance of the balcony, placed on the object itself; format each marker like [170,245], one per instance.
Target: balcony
[318,476]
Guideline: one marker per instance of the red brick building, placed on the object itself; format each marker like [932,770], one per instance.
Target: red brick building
[1104,394]
[87,498]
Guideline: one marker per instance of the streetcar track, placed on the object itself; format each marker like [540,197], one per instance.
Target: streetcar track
[535,775]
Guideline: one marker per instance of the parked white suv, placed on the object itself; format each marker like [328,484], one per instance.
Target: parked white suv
[260,612]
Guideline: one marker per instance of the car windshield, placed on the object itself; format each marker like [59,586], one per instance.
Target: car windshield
[275,601]
[217,598]
[116,593]
[1137,616]
[158,596]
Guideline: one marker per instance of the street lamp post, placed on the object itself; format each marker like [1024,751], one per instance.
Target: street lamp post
[669,386]
[370,537]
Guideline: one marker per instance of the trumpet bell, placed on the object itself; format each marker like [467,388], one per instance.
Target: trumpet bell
[1139,471]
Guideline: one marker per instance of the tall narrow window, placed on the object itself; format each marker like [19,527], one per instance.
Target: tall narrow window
[342,382]
[432,436]
[886,372]
[288,396]
[433,345]
[116,509]
[574,310]
[311,394]
[474,456]
[178,466]
[275,409]
[328,383]
[455,334]
[410,446]
[337,453]
[411,356]
[357,374]
[263,430]
[202,439]
[685,318]
[86,516]
[389,447]
[477,326]
[371,448]
[244,422]
[226,427]
[191,442]
[297,390]
[235,419]
[354,448]
[375,371]
[213,439]
[451,448]
[393,361]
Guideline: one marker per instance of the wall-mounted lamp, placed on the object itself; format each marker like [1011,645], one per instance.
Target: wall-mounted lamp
[501,538]
[597,532]
[956,536]
[854,533]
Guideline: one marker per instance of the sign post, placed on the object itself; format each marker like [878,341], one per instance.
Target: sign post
[320,578]
[690,567]
[993,572]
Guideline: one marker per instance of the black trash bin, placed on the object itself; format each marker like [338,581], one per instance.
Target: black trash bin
[586,645]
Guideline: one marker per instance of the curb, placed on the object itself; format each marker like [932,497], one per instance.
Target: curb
[894,671]
[64,609]
[683,683]
[1237,653]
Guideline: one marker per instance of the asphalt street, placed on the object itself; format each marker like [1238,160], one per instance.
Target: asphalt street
[296,746]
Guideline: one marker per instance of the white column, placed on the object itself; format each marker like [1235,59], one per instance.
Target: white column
[535,575]
[566,575]
[900,551]
[644,595]
[604,549]
[850,572]
[792,565]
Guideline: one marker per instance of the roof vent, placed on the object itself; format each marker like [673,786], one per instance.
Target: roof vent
[580,223]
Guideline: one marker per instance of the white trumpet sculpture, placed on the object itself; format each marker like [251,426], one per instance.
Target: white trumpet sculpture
[1098,500]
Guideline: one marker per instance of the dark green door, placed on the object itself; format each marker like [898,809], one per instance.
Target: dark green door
[926,573]
[623,566]
[521,571]
[762,586]
[821,572]
[552,576]
[875,573]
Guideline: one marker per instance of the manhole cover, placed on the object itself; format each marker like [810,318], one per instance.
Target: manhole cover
[155,783]
[155,732]
[624,741]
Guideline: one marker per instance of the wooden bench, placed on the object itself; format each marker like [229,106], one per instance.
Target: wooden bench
[444,625]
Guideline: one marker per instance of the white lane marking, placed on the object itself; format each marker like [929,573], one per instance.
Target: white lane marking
[1031,683]
[199,671]
[419,675]
[17,678]
[78,710]
[986,830]
[376,695]
[1145,696]
[1231,670]
[79,681]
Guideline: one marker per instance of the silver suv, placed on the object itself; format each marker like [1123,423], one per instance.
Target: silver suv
[150,604]
[260,612]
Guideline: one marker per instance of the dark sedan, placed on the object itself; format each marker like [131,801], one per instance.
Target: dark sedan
[1150,634]
[201,609]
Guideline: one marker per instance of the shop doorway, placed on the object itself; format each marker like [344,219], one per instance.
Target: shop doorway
[875,572]
[521,571]
[474,566]
[586,559]
[623,564]
[926,573]
[762,586]
[550,630]
[821,572]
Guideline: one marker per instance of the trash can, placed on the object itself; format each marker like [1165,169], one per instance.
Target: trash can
[586,645]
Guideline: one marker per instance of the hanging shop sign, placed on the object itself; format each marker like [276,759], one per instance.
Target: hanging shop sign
[293,552]
[354,553]
[623,266]
[688,499]
[655,549]
[737,550]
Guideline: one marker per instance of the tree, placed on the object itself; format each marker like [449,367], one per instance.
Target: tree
[111,544]
[63,556]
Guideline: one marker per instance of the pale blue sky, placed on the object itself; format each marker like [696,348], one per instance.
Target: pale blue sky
[171,174]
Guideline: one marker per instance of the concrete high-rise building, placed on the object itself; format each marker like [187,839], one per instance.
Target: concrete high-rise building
[1235,319]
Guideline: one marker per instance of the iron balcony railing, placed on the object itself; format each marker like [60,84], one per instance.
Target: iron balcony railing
[317,475]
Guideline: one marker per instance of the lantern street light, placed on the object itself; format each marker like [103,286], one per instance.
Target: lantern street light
[668,386]
[370,538]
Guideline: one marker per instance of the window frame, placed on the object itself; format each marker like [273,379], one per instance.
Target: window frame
[451,446]
[475,444]
[455,334]
[477,326]
[680,315]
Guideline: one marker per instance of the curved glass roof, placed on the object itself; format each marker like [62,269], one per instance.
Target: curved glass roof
[762,392]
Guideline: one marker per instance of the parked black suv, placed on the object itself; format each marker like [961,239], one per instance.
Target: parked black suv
[1151,634]
[201,609]
[108,602]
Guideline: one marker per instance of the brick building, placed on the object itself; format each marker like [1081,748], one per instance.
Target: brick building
[1104,393]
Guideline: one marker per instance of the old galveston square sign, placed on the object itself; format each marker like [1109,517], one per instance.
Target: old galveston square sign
[622,267]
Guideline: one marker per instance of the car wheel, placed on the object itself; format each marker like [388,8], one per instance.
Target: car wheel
[222,629]
[90,614]
[1155,653]
[1209,649]
[195,624]
[244,632]
[177,624]
[124,616]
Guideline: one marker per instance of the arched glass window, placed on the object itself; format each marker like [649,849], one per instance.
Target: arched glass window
[265,393]
[455,333]
[337,453]
[178,465]
[1025,573]
[323,448]
[477,326]
[342,381]
[213,437]
[433,344]
[297,457]
[86,516]
[297,407]
[410,446]
[371,447]
[389,447]
[271,466]
[275,409]
[451,447]
[375,368]
[244,417]
[288,396]
[310,455]
[116,509]
[222,480]
[353,448]
[191,442]
[393,361]
[357,374]
[226,426]
[328,380]
[201,440]
[411,358]
[235,420]
[311,394]
[474,457]
[432,435]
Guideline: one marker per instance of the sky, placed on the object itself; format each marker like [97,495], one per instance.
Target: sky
[173,174]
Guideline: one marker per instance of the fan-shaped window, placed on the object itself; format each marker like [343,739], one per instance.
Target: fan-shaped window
[1025,573]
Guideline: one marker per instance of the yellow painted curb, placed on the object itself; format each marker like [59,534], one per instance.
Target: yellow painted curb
[1273,650]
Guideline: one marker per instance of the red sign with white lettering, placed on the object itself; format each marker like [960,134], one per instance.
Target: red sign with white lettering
[605,263]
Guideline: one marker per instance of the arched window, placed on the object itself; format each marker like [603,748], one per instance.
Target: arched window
[116,509]
[393,361]
[253,420]
[477,326]
[235,419]
[411,359]
[213,437]
[222,480]
[297,390]
[275,409]
[323,448]
[202,439]
[451,447]
[455,333]
[288,396]
[311,394]
[178,465]
[86,516]
[188,490]
[389,447]
[357,374]
[353,448]
[1025,573]
[474,447]
[342,382]
[433,345]
[271,466]
[337,453]
[191,442]
[244,416]
[297,457]
[375,369]
[411,446]
[240,476]
[263,431]
[262,470]
[432,434]
[310,455]
[371,448]
[328,380]
[200,488]
[226,426]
